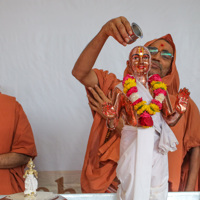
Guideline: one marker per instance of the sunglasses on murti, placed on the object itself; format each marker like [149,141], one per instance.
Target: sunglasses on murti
[164,53]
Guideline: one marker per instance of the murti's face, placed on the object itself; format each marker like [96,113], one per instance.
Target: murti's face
[160,64]
[139,61]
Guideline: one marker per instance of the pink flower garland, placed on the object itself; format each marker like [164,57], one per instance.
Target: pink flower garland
[137,101]
[159,91]
[157,103]
[154,77]
[145,118]
[131,91]
[126,78]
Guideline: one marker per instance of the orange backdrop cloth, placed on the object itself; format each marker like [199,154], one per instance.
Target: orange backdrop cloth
[15,136]
[101,157]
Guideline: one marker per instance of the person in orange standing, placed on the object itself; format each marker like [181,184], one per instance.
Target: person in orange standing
[17,145]
[102,154]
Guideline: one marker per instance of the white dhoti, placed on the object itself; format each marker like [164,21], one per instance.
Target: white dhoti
[142,170]
[31,184]
[143,165]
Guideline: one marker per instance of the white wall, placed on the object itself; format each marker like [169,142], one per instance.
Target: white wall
[40,41]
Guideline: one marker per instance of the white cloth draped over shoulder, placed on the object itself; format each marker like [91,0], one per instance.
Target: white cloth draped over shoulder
[143,165]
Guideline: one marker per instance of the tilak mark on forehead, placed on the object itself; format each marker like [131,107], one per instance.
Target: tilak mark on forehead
[141,51]
[162,45]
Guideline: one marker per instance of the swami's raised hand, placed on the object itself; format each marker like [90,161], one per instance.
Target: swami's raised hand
[120,29]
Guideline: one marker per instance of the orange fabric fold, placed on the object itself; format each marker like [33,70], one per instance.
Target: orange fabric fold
[101,158]
[16,136]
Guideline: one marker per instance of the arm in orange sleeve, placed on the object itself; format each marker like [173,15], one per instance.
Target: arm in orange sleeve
[12,160]
[23,145]
[193,169]
[192,144]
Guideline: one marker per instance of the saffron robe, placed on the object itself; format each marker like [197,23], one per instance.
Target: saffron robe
[99,168]
[15,136]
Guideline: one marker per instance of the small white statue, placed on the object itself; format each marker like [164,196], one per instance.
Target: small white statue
[31,183]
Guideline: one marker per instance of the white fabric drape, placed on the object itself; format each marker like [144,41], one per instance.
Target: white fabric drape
[143,165]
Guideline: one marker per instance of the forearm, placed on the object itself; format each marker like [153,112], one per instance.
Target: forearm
[120,126]
[194,169]
[12,160]
[86,60]
[120,29]
[172,120]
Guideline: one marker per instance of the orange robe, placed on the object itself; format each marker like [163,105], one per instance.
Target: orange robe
[99,169]
[101,156]
[15,136]
[187,130]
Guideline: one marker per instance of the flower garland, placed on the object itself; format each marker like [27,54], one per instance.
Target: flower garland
[143,110]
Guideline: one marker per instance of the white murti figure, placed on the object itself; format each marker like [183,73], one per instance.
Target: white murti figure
[143,165]
[146,137]
[31,183]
